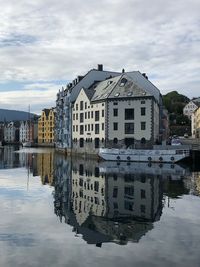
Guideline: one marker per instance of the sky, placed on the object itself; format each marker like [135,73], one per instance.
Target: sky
[44,44]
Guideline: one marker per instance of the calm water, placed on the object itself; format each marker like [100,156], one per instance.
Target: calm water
[61,212]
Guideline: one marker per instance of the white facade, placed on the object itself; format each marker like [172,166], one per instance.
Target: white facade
[24,131]
[189,109]
[65,100]
[10,132]
[110,115]
[88,121]
[135,112]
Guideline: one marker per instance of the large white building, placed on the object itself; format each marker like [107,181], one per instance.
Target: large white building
[66,98]
[120,111]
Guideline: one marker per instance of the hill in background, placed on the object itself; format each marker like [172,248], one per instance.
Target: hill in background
[14,115]
[174,103]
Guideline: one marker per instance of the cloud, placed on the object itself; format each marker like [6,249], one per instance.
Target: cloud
[49,40]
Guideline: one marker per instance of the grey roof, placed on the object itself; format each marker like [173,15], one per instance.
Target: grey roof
[89,79]
[89,92]
[130,84]
[197,101]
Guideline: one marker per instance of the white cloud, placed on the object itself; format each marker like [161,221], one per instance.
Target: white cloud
[50,40]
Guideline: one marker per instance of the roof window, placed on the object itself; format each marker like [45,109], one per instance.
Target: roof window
[123,82]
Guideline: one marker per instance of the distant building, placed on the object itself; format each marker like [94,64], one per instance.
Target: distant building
[46,126]
[1,131]
[191,107]
[11,132]
[29,130]
[196,123]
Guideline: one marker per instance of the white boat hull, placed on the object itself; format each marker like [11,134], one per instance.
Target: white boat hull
[27,144]
[139,155]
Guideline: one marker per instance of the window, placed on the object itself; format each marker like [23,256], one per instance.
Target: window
[129,114]
[129,190]
[76,106]
[85,115]
[115,126]
[129,128]
[96,185]
[115,112]
[96,115]
[115,205]
[73,128]
[88,114]
[92,114]
[143,111]
[76,128]
[81,129]
[143,102]
[102,113]
[123,82]
[115,103]
[92,128]
[143,193]
[143,125]
[76,116]
[142,208]
[115,140]
[85,105]
[73,116]
[86,127]
[81,117]
[96,128]
[115,192]
[128,205]
[102,126]
[81,105]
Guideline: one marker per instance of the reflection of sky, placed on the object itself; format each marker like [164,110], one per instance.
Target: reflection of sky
[31,234]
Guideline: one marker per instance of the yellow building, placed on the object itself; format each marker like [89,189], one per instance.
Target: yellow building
[196,124]
[46,125]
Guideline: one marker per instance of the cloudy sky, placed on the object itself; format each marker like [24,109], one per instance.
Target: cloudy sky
[44,44]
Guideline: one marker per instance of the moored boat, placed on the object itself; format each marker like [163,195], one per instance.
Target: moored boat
[144,155]
[27,144]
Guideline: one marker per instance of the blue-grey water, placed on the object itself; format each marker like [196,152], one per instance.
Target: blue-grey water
[58,211]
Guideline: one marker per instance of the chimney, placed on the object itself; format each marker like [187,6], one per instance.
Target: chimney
[145,76]
[100,67]
[123,70]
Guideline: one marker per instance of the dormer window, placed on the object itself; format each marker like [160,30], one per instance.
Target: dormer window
[123,82]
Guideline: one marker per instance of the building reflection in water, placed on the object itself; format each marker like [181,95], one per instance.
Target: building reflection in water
[107,202]
[45,167]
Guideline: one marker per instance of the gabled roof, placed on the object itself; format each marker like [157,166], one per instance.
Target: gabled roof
[46,111]
[92,76]
[126,85]
[197,101]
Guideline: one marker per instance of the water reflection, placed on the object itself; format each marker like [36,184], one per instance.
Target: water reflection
[106,202]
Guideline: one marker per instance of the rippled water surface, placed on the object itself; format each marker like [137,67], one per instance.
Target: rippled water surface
[58,211]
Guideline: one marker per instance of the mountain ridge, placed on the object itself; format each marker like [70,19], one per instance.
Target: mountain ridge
[7,115]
